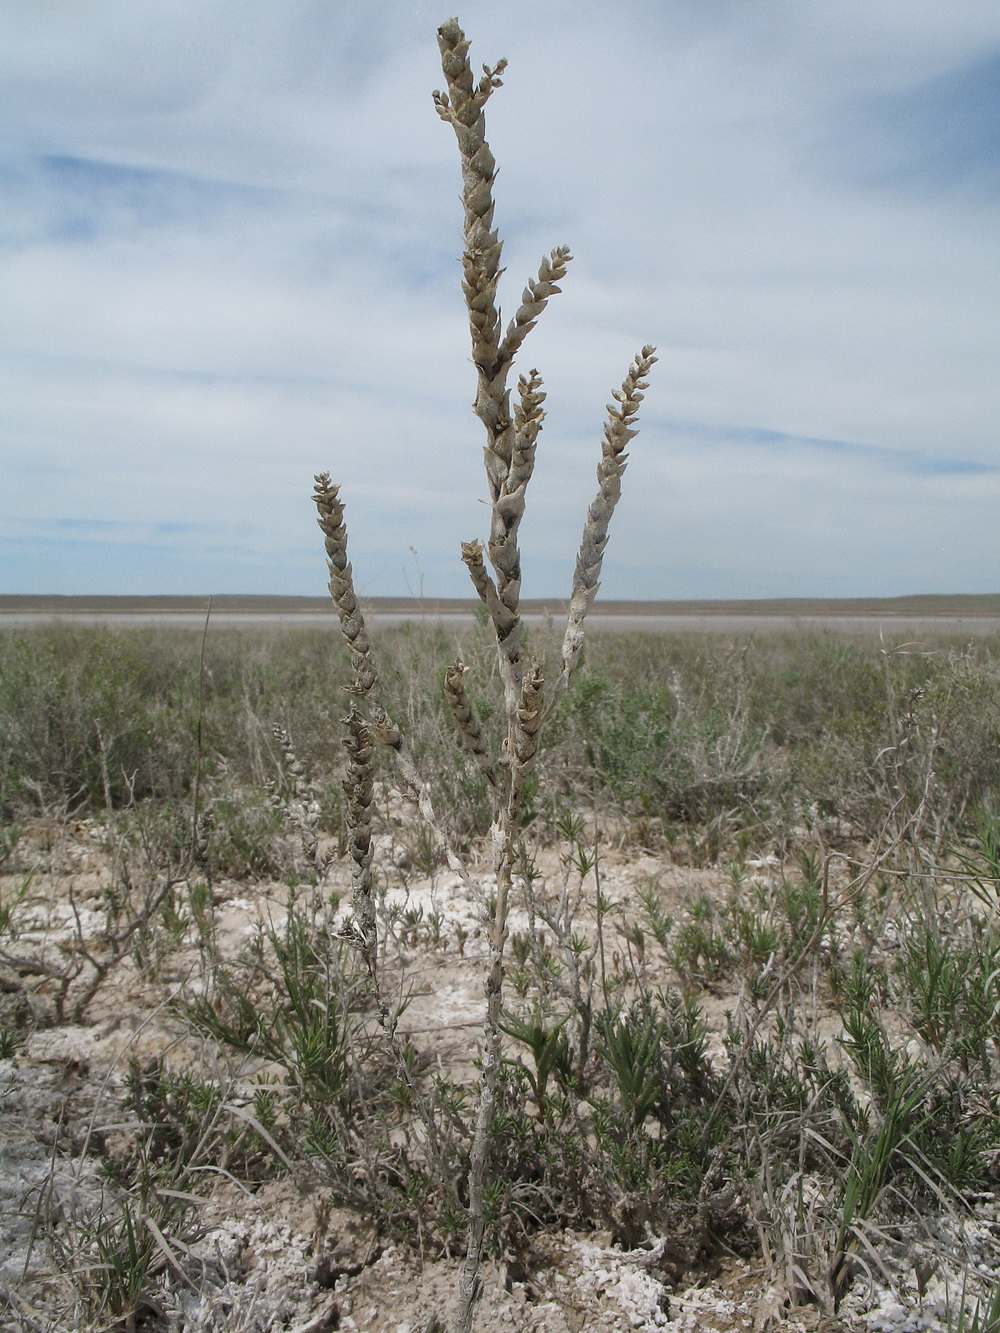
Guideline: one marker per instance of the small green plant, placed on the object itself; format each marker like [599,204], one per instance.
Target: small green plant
[868,1172]
[699,951]
[11,1041]
[658,922]
[10,836]
[550,1050]
[290,1001]
[117,1247]
[935,971]
[144,1219]
[10,904]
[984,1316]
[864,1037]
[629,1043]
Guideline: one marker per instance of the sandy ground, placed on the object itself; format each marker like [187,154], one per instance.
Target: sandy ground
[280,1256]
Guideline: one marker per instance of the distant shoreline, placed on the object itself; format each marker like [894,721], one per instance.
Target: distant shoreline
[960,616]
[930,606]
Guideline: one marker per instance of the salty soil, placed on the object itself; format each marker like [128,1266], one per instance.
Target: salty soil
[272,1249]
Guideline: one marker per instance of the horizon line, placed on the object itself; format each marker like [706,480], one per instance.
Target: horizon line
[290,603]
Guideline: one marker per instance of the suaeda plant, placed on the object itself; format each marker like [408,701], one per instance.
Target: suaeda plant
[530,689]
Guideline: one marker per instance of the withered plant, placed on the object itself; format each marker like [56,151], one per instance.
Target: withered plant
[530,688]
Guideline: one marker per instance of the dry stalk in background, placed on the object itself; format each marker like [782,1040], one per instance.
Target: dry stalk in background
[509,456]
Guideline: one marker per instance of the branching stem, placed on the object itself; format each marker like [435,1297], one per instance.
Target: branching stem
[511,438]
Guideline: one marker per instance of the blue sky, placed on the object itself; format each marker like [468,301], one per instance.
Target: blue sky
[228,260]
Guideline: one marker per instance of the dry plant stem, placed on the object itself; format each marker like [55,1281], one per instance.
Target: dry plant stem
[467,720]
[510,437]
[462,106]
[199,738]
[601,908]
[359,788]
[522,741]
[366,684]
[503,865]
[618,431]
[352,622]
[298,804]
[509,458]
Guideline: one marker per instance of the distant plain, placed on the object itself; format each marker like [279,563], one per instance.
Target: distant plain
[932,613]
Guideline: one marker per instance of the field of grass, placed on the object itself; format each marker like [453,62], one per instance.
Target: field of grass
[751,1040]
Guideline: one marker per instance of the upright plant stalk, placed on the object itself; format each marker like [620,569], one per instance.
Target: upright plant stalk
[359,788]
[199,738]
[366,685]
[618,431]
[509,458]
[510,436]
[368,725]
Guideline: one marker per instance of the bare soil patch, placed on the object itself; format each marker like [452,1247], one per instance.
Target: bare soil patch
[278,1251]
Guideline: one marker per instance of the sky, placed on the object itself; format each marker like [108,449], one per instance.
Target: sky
[229,243]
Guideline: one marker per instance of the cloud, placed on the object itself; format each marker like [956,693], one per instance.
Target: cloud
[939,138]
[229,260]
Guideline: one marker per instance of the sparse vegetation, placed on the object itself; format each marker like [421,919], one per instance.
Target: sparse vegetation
[840,1122]
[734,904]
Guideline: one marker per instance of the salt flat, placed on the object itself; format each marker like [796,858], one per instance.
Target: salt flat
[891,625]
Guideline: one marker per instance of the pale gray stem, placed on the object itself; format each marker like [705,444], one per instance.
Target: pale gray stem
[462,107]
[467,720]
[534,299]
[503,835]
[366,685]
[352,621]
[509,459]
[509,453]
[359,788]
[618,432]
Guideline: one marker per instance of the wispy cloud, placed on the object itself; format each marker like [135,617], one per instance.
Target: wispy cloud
[64,199]
[778,444]
[940,137]
[229,259]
